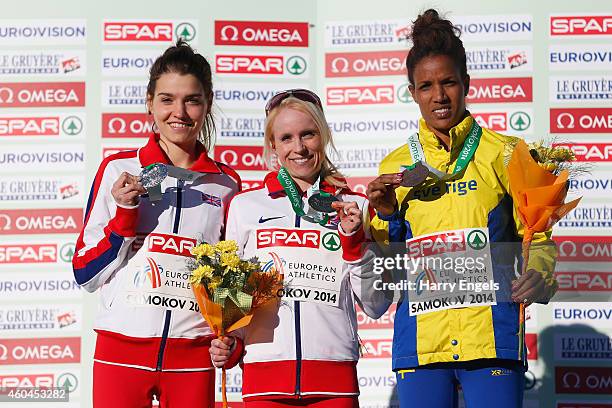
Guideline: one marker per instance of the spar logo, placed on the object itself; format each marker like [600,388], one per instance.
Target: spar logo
[583,380]
[282,237]
[280,65]
[377,348]
[565,26]
[64,380]
[41,221]
[403,94]
[149,31]
[517,121]
[586,88]
[126,125]
[151,272]
[242,125]
[577,281]
[362,64]
[581,120]
[365,33]
[261,33]
[589,152]
[385,321]
[440,243]
[55,350]
[584,249]
[583,346]
[500,90]
[170,244]
[29,253]
[41,125]
[360,95]
[42,94]
[241,157]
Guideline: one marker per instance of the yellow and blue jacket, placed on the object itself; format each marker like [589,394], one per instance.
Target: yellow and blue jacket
[479,197]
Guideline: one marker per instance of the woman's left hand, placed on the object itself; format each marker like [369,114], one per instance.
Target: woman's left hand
[350,215]
[529,288]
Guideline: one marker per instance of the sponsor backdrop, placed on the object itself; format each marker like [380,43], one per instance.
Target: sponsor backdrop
[72,90]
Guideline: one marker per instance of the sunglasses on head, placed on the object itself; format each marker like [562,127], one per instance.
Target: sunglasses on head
[301,94]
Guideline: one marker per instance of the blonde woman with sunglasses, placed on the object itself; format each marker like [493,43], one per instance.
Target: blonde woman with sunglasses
[303,349]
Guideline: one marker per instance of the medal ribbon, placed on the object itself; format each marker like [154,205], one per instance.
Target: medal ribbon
[295,197]
[467,152]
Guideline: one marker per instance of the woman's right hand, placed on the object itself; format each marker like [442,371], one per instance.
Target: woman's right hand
[127,189]
[221,350]
[381,193]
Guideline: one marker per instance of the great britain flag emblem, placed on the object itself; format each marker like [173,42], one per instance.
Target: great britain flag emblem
[211,200]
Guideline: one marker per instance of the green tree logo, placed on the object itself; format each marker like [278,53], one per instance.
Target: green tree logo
[296,65]
[66,252]
[331,241]
[404,95]
[477,239]
[68,381]
[72,125]
[185,31]
[520,121]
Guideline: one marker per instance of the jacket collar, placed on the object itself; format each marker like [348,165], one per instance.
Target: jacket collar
[153,153]
[275,189]
[457,134]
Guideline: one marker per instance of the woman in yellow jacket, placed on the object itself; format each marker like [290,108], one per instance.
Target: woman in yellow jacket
[453,203]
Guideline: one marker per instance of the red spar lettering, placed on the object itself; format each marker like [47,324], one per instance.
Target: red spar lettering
[28,253]
[288,238]
[245,64]
[378,348]
[44,126]
[583,25]
[27,380]
[360,95]
[171,244]
[138,32]
[494,121]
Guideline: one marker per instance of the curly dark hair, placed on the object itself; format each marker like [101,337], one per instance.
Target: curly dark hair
[182,59]
[433,35]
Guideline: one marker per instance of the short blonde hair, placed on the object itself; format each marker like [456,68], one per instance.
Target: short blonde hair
[329,172]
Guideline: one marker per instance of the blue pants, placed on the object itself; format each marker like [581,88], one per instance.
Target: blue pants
[485,384]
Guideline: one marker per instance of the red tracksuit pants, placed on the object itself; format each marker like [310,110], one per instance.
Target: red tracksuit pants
[125,387]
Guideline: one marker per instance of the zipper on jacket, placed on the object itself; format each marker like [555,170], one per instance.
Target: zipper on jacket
[298,338]
[168,315]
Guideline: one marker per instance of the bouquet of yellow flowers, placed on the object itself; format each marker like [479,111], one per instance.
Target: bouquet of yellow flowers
[229,289]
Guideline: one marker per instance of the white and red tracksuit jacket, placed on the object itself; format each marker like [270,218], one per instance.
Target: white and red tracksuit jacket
[294,348]
[118,249]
